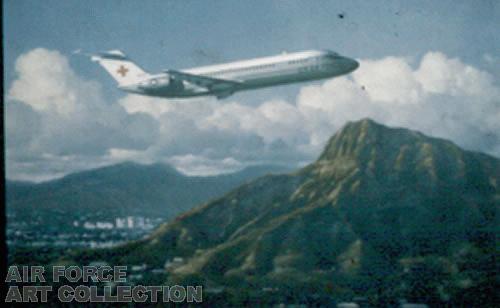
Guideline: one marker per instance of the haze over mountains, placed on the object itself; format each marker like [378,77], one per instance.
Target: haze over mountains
[126,189]
[383,213]
[108,206]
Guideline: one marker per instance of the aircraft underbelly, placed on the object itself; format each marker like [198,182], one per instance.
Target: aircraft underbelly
[280,78]
[253,81]
[222,80]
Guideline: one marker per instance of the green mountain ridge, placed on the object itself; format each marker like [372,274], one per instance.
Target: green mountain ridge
[383,213]
[126,188]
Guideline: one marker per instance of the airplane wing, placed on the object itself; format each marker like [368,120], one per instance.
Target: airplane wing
[204,81]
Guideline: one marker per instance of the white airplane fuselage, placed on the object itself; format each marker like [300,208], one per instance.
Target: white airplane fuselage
[222,80]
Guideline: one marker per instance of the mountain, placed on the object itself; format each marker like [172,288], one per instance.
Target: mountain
[125,189]
[384,213]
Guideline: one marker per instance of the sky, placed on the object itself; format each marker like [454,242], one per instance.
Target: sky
[432,66]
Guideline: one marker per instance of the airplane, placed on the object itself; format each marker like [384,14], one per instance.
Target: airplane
[222,80]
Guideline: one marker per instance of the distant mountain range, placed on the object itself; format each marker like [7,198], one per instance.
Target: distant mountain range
[125,189]
[384,213]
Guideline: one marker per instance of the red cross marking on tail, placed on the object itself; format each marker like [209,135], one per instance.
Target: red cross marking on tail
[122,70]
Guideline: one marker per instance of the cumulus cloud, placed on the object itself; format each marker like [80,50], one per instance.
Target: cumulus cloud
[53,115]
[58,122]
[47,83]
[272,121]
[202,166]
[438,74]
[441,96]
[389,81]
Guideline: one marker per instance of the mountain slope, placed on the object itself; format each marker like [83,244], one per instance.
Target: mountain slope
[125,189]
[383,213]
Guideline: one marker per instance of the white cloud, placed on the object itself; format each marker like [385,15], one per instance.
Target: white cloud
[272,120]
[442,97]
[52,114]
[72,127]
[47,83]
[389,80]
[440,75]
[202,166]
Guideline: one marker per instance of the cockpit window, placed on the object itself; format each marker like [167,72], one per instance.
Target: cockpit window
[331,54]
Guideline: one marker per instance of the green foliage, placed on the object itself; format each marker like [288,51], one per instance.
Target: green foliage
[383,214]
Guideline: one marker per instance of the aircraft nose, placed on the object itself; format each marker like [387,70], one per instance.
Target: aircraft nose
[351,64]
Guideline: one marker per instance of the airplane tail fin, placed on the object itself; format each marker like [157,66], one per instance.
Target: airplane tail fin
[120,67]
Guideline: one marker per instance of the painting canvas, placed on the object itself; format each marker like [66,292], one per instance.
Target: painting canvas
[251,153]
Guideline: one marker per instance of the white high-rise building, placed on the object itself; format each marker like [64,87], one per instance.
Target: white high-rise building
[130,222]
[120,223]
